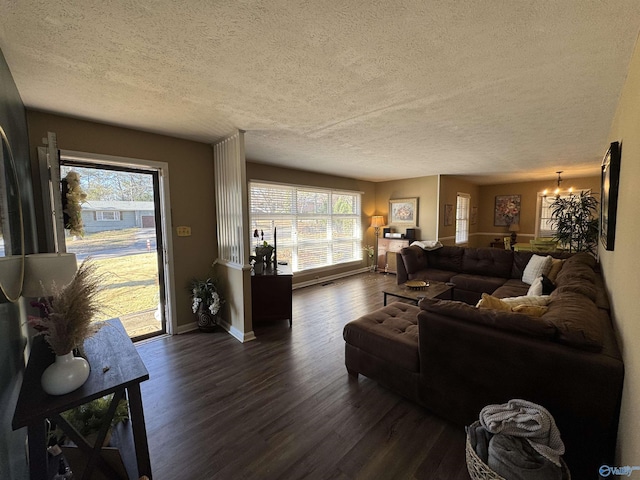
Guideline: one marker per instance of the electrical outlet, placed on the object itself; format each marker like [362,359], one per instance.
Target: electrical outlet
[184,231]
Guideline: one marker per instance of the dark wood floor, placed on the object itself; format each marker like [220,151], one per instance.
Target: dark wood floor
[283,406]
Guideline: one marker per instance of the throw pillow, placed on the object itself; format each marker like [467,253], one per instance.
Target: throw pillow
[556,266]
[542,300]
[493,303]
[531,310]
[547,285]
[538,265]
[536,287]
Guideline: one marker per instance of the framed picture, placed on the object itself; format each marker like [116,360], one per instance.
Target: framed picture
[507,210]
[474,215]
[448,215]
[610,183]
[403,211]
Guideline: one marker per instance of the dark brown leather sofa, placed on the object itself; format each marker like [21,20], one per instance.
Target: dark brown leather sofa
[474,271]
[454,358]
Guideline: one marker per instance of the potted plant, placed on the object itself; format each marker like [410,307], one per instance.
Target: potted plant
[65,322]
[206,303]
[88,418]
[575,221]
[370,250]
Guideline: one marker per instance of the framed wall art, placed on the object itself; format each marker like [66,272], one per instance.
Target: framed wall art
[448,215]
[403,211]
[610,183]
[474,215]
[507,210]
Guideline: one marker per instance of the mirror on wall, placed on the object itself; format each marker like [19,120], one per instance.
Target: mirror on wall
[11,225]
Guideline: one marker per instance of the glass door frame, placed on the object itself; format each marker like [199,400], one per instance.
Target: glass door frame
[163,204]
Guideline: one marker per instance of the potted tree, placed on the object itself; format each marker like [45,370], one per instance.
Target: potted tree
[576,223]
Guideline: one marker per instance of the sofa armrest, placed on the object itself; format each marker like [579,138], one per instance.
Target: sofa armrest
[466,365]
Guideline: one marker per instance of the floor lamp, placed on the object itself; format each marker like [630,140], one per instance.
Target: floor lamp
[377,221]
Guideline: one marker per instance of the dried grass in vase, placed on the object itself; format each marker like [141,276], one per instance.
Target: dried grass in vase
[66,318]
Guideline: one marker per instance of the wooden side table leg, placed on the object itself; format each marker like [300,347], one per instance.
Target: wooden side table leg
[139,431]
[38,465]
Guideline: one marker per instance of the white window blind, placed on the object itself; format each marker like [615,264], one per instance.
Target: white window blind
[315,227]
[463,201]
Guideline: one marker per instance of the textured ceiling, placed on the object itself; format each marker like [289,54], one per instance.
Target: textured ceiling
[494,89]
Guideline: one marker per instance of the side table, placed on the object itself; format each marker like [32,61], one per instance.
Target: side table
[271,295]
[116,368]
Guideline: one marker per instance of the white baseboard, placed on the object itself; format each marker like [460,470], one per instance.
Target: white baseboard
[237,334]
[189,327]
[329,278]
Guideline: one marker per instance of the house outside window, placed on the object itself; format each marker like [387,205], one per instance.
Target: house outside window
[315,227]
[463,202]
[108,215]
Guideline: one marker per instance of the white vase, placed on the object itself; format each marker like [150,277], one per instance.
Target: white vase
[65,375]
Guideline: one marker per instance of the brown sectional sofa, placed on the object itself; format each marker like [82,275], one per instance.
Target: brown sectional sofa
[454,358]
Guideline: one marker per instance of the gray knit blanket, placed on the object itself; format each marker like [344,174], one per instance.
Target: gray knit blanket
[521,418]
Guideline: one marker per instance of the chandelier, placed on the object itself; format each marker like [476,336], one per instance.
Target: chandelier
[556,192]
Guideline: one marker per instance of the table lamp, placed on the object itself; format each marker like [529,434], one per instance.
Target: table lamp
[513,228]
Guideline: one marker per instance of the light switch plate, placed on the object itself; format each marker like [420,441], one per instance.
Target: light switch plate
[184,231]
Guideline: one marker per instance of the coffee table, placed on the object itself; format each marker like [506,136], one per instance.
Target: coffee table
[434,290]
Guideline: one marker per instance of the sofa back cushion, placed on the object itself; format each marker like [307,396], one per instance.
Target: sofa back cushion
[499,319]
[447,258]
[577,320]
[492,262]
[414,259]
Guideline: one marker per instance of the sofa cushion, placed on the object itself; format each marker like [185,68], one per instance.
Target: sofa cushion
[477,283]
[493,262]
[537,265]
[414,259]
[390,333]
[576,319]
[514,287]
[447,258]
[502,320]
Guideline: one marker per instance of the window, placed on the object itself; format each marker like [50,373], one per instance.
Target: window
[544,227]
[463,201]
[315,227]
[108,216]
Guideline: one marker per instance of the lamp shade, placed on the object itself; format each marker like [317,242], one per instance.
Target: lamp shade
[514,227]
[377,221]
[44,271]
[11,276]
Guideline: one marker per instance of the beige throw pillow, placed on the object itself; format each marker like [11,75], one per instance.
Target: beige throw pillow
[541,300]
[493,303]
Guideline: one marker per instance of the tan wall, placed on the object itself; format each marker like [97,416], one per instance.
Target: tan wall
[425,189]
[190,184]
[487,231]
[259,171]
[622,265]
[450,186]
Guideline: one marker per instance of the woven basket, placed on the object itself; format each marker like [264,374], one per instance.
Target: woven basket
[478,470]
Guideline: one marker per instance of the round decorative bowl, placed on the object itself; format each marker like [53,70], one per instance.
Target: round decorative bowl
[417,284]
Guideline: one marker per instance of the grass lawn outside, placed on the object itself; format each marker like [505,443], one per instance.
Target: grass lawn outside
[130,291]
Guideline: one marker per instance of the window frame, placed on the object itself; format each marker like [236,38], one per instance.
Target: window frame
[100,216]
[463,213]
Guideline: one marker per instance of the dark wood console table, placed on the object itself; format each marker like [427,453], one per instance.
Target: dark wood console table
[271,295]
[116,368]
